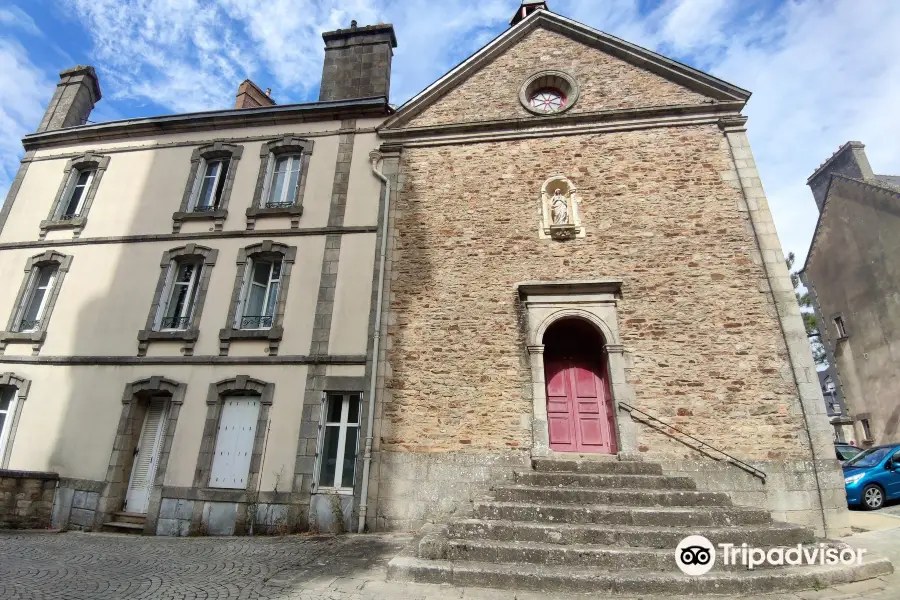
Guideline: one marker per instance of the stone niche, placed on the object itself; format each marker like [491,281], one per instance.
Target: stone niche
[560,210]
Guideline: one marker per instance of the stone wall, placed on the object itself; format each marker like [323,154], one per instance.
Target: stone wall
[26,499]
[606,83]
[703,346]
[790,491]
[408,489]
[75,505]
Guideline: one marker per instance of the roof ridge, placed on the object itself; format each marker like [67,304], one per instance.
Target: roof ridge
[850,144]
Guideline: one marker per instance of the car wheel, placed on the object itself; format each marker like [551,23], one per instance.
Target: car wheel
[873,497]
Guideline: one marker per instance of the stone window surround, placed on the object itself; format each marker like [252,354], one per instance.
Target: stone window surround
[594,301]
[22,386]
[201,154]
[188,336]
[242,385]
[268,152]
[98,163]
[838,337]
[36,337]
[264,249]
[549,78]
[134,401]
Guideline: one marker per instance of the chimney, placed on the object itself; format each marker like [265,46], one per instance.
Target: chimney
[850,161]
[528,7]
[249,95]
[73,100]
[357,62]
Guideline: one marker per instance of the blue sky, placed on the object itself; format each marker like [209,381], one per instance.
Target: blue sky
[821,71]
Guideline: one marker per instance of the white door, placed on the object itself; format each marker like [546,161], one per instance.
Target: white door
[147,456]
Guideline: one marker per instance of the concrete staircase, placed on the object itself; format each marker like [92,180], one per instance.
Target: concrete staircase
[608,527]
[124,522]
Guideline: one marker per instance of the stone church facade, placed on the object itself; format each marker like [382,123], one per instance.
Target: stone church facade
[562,247]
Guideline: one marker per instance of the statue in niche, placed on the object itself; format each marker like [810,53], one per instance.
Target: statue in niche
[560,210]
[560,206]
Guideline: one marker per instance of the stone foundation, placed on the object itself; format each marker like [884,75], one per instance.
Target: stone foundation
[409,489]
[75,504]
[26,499]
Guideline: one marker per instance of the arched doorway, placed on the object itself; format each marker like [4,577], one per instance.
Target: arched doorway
[579,403]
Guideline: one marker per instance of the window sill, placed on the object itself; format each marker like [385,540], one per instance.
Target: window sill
[218,216]
[187,336]
[294,212]
[273,335]
[35,338]
[334,491]
[75,223]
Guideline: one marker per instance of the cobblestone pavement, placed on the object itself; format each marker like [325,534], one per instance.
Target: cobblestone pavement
[96,566]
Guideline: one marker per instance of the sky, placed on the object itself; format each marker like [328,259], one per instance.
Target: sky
[822,72]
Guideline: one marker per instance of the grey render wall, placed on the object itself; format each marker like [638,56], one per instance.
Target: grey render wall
[850,160]
[853,272]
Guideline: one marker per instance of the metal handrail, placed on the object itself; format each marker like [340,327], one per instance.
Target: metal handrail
[735,461]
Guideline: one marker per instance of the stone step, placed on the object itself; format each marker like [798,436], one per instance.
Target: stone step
[633,497]
[599,467]
[127,517]
[620,515]
[573,555]
[566,579]
[769,534]
[589,480]
[123,527]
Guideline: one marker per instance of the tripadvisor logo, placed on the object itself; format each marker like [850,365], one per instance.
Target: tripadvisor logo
[696,555]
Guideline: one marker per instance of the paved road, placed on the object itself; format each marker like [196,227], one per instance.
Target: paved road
[96,566]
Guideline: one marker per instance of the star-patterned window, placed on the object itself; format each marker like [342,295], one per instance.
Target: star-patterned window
[548,100]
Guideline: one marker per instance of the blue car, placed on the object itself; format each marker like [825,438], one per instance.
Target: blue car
[873,476]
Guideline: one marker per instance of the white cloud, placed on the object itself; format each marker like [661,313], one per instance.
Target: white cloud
[20,111]
[15,17]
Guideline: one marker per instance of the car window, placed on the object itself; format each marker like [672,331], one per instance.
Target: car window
[846,452]
[869,458]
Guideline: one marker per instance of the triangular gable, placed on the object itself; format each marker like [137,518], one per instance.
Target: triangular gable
[704,87]
[879,195]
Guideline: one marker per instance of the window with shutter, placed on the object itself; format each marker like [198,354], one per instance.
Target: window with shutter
[234,442]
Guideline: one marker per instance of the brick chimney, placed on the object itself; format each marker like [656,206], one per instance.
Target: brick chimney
[850,161]
[249,95]
[73,100]
[357,62]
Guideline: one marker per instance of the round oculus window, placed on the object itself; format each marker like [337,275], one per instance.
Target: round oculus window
[547,100]
[548,93]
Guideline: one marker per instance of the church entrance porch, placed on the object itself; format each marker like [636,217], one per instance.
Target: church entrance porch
[577,368]
[579,407]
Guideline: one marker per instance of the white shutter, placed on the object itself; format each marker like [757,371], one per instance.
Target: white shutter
[234,443]
[144,468]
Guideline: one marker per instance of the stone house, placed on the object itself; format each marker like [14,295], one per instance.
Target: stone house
[853,283]
[337,312]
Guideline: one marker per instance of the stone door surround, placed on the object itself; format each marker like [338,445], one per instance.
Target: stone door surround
[594,301]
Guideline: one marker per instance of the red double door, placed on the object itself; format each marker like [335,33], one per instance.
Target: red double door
[579,407]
